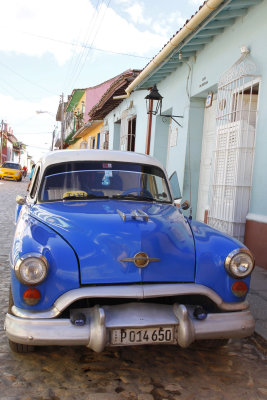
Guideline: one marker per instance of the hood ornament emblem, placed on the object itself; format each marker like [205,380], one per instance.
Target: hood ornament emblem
[135,214]
[140,260]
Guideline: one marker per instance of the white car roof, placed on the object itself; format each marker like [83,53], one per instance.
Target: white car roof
[60,156]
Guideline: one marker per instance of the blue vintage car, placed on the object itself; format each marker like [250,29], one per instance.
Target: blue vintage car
[102,256]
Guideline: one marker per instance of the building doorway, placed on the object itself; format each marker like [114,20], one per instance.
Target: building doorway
[236,116]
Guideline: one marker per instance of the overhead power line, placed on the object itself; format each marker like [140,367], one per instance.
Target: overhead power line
[33,133]
[10,89]
[36,147]
[78,58]
[87,46]
[98,24]
[77,51]
[26,79]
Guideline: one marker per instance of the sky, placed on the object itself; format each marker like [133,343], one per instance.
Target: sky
[48,48]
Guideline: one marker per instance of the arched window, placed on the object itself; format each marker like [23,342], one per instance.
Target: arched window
[83,144]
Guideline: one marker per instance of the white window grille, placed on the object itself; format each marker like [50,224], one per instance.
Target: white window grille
[234,150]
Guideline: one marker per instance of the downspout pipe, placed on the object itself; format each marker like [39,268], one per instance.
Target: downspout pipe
[189,27]
[149,124]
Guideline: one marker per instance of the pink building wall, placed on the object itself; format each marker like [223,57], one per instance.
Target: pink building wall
[94,94]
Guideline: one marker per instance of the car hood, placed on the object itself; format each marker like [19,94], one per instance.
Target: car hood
[9,170]
[106,235]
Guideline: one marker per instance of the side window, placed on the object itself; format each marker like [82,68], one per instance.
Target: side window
[34,183]
[131,134]
[175,186]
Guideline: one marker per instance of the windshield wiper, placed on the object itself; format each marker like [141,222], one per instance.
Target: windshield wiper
[132,197]
[88,197]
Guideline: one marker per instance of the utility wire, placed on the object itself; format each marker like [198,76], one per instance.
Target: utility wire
[73,61]
[84,45]
[77,58]
[36,147]
[33,133]
[88,46]
[84,52]
[23,77]
[11,89]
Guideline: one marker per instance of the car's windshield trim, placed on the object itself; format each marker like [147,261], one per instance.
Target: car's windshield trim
[143,166]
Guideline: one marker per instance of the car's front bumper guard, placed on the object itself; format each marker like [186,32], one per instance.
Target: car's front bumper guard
[101,320]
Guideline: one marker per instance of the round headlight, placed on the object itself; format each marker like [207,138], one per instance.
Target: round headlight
[31,269]
[239,263]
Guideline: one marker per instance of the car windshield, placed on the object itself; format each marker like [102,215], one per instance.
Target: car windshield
[10,165]
[106,180]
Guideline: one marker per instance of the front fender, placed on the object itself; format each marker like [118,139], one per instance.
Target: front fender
[17,212]
[212,247]
[32,236]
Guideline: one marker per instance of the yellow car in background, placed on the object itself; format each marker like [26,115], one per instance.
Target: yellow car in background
[11,170]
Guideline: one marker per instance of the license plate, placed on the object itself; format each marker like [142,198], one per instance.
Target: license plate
[131,336]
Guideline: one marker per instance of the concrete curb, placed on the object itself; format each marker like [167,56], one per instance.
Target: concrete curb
[257,299]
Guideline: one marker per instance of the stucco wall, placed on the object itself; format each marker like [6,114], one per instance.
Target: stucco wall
[217,57]
[200,77]
[137,106]
[90,132]
[209,65]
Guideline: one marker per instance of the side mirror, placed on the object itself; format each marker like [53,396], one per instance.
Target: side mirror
[175,186]
[20,200]
[185,205]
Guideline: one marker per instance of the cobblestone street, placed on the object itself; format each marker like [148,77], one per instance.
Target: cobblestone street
[236,371]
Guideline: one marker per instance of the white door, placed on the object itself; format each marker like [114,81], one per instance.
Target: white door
[236,118]
[208,145]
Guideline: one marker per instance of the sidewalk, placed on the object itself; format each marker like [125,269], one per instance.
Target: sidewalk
[257,299]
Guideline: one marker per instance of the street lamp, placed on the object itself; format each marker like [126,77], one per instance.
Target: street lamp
[153,109]
[153,106]
[45,112]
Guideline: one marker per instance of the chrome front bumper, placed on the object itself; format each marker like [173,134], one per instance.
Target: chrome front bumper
[100,321]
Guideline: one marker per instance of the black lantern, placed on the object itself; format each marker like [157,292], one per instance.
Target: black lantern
[153,101]
[153,109]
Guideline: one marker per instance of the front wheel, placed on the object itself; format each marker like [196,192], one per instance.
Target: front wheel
[20,348]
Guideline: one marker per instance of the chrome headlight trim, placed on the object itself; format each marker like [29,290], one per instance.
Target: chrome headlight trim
[19,265]
[234,272]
